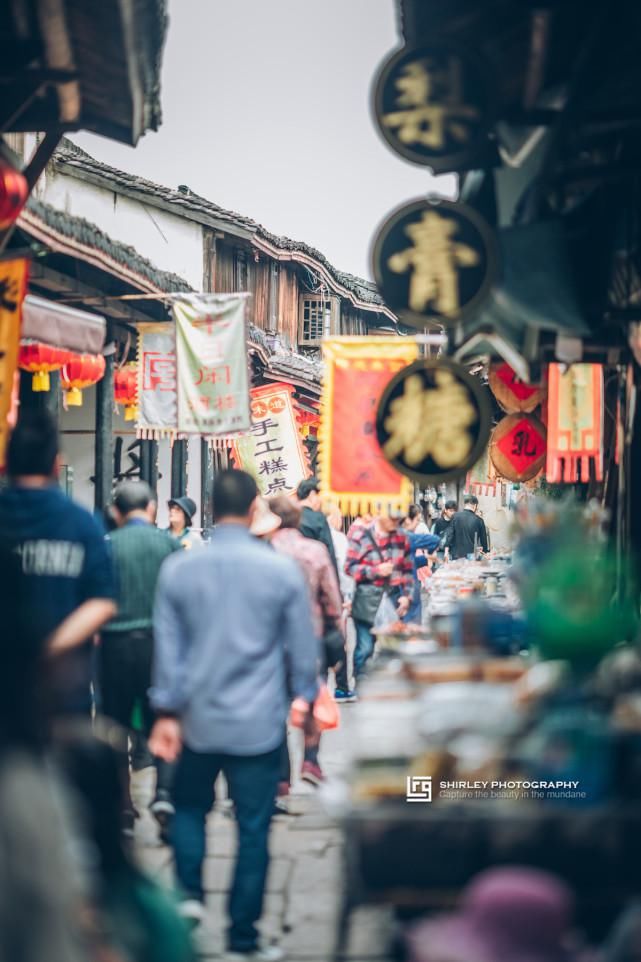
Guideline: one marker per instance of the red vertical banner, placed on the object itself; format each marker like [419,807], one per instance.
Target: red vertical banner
[575,423]
[353,469]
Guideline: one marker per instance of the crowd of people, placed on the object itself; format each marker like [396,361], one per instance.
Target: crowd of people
[197,649]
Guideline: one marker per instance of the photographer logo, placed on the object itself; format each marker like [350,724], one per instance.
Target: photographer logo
[419,788]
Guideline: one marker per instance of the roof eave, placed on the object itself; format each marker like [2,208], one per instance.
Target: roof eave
[301,257]
[145,198]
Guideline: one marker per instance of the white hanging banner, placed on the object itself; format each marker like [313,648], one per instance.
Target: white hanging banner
[212,365]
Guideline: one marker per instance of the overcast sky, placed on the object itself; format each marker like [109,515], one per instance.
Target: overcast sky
[266,112]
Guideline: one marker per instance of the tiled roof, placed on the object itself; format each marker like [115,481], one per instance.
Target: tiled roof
[81,230]
[70,158]
[275,360]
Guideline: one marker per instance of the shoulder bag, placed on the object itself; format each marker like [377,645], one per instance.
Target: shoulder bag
[367,597]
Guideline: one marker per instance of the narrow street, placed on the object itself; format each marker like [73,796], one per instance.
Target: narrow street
[304,883]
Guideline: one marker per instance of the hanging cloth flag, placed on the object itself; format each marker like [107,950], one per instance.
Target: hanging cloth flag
[575,423]
[212,365]
[273,450]
[157,381]
[13,287]
[353,469]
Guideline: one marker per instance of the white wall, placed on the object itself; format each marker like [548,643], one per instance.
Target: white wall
[169,241]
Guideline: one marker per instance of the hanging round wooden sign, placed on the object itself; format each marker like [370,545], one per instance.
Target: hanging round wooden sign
[434,105]
[433,421]
[435,262]
[512,394]
[518,447]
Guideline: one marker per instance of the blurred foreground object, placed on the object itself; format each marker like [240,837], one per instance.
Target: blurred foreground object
[568,581]
[507,914]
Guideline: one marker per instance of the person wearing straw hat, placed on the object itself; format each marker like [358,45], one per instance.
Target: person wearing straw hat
[264,523]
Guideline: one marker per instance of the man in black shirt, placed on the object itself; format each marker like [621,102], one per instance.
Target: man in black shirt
[313,523]
[444,521]
[467,532]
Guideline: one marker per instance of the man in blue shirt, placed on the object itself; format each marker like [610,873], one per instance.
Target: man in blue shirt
[234,645]
[67,581]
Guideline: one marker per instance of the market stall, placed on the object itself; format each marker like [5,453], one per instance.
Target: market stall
[475,744]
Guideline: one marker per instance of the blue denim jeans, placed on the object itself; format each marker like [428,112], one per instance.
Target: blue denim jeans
[253,781]
[364,646]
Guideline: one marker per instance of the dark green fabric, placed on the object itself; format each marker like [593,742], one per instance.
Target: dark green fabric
[138,552]
[143,920]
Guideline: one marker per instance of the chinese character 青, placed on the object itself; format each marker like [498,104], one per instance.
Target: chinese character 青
[434,259]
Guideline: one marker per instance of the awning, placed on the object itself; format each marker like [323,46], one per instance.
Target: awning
[82,64]
[62,326]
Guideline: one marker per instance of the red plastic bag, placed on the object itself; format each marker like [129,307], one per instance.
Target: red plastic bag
[326,713]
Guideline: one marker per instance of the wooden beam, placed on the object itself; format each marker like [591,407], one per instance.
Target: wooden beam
[41,158]
[53,280]
[104,451]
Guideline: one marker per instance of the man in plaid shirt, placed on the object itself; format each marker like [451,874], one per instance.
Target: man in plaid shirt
[379,554]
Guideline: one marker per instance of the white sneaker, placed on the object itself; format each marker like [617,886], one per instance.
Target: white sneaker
[192,911]
[262,953]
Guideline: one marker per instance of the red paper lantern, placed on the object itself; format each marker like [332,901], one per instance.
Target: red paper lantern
[80,371]
[14,192]
[126,390]
[39,359]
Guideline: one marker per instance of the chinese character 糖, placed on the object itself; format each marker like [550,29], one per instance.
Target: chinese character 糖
[431,422]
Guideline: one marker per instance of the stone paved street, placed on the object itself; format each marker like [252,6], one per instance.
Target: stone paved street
[305,874]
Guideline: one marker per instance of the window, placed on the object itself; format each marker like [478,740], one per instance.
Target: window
[241,271]
[318,317]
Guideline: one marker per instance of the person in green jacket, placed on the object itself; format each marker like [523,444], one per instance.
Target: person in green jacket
[125,655]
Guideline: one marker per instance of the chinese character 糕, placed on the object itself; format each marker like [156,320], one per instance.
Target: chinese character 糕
[431,422]
[432,105]
[159,371]
[433,259]
[273,466]
[225,402]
